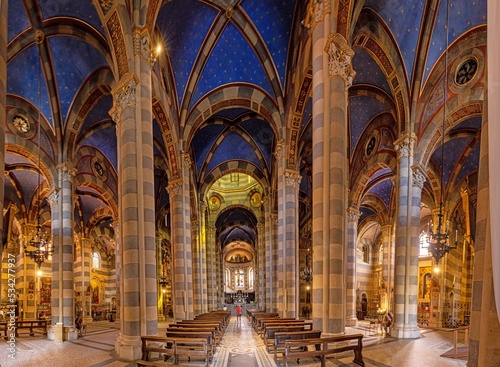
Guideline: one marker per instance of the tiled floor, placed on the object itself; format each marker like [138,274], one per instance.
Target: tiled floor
[240,347]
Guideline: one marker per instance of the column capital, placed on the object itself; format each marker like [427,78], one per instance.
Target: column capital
[53,196]
[142,45]
[292,178]
[123,95]
[404,145]
[353,214]
[280,148]
[418,176]
[175,187]
[340,58]
[66,172]
[186,160]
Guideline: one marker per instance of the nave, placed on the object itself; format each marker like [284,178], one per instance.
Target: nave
[240,347]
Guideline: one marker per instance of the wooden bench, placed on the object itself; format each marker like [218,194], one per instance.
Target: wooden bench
[307,325]
[219,331]
[281,337]
[296,349]
[171,347]
[31,325]
[190,349]
[265,315]
[260,323]
[271,330]
[162,345]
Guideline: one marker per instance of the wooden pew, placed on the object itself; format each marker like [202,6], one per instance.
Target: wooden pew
[198,349]
[279,322]
[269,332]
[281,337]
[296,349]
[159,344]
[186,324]
[266,315]
[31,325]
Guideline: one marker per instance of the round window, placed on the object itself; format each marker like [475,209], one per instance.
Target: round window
[466,71]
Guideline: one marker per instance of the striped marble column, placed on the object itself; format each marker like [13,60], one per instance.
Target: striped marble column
[332,76]
[118,266]
[195,253]
[288,235]
[202,263]
[259,279]
[387,266]
[181,243]
[484,337]
[350,254]
[85,278]
[211,261]
[274,262]
[63,293]
[3,101]
[409,182]
[268,243]
[132,112]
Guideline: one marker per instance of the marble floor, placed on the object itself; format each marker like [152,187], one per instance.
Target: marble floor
[240,347]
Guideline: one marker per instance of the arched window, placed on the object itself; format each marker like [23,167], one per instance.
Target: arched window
[96,260]
[424,244]
[366,254]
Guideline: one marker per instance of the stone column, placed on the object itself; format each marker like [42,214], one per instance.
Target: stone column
[259,278]
[202,263]
[274,262]
[85,279]
[3,103]
[410,183]
[269,283]
[195,252]
[332,76]
[181,243]
[132,112]
[387,266]
[351,281]
[484,340]
[211,262]
[118,266]
[63,292]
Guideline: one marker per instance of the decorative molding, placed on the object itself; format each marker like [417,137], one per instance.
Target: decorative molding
[278,153]
[66,172]
[53,197]
[340,58]
[186,160]
[142,46]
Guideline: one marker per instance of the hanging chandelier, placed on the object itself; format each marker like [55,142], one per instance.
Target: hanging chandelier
[439,239]
[39,247]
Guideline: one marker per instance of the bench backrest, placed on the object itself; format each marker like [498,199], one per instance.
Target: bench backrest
[270,331]
[281,336]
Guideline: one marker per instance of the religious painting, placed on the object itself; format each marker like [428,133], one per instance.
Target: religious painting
[95,295]
[45,289]
[425,282]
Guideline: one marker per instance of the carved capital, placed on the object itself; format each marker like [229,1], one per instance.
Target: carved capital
[340,58]
[142,46]
[404,146]
[280,148]
[353,214]
[66,172]
[418,178]
[124,96]
[292,178]
[175,187]
[53,197]
[186,160]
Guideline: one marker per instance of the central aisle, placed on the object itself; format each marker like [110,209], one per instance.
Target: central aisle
[242,347]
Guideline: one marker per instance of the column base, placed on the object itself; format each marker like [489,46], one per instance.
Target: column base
[351,321]
[128,348]
[61,333]
[405,331]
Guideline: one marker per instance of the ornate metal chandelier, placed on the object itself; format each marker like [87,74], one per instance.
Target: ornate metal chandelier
[439,239]
[39,247]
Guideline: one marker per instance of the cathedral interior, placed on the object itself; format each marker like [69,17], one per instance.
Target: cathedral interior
[323,159]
